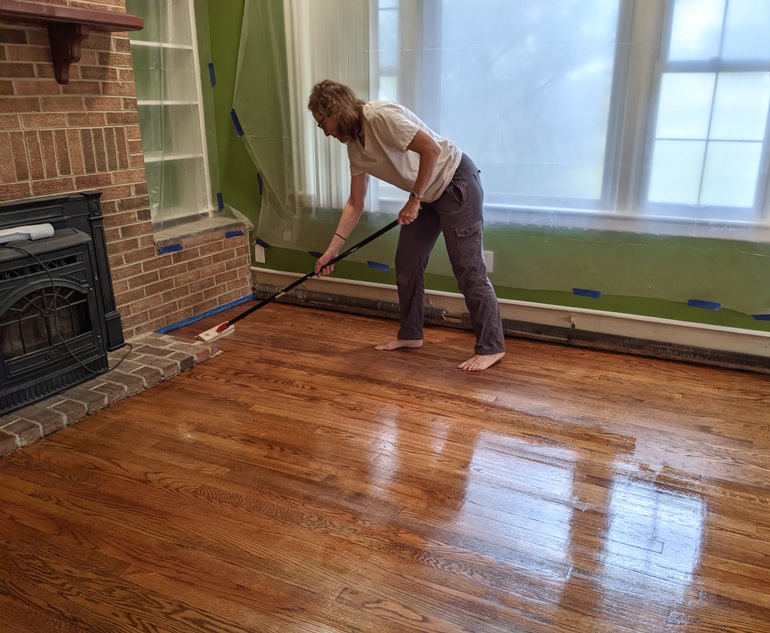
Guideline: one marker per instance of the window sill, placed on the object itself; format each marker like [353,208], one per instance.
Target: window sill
[176,234]
[499,216]
[625,223]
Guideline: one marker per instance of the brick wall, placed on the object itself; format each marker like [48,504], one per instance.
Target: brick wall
[84,136]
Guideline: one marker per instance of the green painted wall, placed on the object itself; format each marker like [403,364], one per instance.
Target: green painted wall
[648,275]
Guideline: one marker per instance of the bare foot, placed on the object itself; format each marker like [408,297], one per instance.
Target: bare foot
[480,362]
[398,343]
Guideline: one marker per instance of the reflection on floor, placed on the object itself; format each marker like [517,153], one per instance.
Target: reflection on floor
[301,481]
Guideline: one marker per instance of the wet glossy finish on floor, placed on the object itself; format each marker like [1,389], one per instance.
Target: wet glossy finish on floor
[303,482]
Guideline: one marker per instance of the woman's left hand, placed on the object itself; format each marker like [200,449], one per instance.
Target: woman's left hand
[409,213]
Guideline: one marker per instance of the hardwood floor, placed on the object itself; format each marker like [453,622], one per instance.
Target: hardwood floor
[303,482]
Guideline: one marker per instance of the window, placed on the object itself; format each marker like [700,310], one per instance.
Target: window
[608,109]
[170,104]
[709,141]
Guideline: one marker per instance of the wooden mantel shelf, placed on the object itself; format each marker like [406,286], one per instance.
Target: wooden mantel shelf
[67,27]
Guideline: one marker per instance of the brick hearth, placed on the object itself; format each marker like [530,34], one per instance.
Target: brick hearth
[152,358]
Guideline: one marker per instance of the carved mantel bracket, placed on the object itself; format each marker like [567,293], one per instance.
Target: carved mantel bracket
[67,27]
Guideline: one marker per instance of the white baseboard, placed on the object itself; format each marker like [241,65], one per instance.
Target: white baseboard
[560,320]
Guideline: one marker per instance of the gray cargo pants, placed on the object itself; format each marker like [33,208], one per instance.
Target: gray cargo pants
[458,215]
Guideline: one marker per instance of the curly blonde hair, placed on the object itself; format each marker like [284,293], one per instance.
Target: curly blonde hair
[329,98]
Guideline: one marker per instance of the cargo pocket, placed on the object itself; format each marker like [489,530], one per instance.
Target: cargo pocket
[471,229]
[465,256]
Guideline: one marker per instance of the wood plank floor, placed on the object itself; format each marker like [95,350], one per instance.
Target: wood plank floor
[303,482]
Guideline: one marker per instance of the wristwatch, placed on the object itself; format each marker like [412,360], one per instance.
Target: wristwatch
[416,196]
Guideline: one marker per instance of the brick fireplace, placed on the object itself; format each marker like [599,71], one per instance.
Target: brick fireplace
[83,136]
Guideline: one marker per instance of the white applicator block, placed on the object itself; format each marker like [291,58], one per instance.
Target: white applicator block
[215,333]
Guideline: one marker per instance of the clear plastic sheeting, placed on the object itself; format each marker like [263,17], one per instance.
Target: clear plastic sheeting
[635,128]
[167,53]
[260,112]
[232,212]
[305,176]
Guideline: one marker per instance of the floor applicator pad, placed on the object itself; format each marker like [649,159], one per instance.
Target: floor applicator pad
[215,333]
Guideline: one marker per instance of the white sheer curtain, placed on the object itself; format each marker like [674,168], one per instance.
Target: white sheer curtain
[326,39]
[305,175]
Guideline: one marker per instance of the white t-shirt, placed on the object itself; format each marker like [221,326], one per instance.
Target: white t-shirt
[388,129]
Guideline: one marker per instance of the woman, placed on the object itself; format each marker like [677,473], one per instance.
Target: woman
[387,141]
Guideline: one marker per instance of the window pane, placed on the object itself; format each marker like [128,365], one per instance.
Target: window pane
[388,90]
[746,33]
[730,176]
[696,30]
[685,105]
[740,108]
[164,73]
[166,21]
[507,69]
[169,129]
[676,171]
[180,185]
[388,40]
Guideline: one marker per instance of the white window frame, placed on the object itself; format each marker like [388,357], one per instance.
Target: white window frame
[759,213]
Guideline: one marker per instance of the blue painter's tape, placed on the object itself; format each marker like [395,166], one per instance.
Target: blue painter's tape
[171,248]
[378,266]
[262,243]
[220,201]
[208,313]
[236,122]
[582,292]
[315,254]
[212,75]
[707,305]
[230,234]
[761,317]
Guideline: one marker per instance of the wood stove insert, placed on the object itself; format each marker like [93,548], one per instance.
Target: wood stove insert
[57,310]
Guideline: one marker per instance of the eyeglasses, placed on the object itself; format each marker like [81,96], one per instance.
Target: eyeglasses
[321,123]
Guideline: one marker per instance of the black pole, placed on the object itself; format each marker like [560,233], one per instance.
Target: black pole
[312,273]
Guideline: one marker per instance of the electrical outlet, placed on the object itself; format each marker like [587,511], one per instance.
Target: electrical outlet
[259,254]
[489,260]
